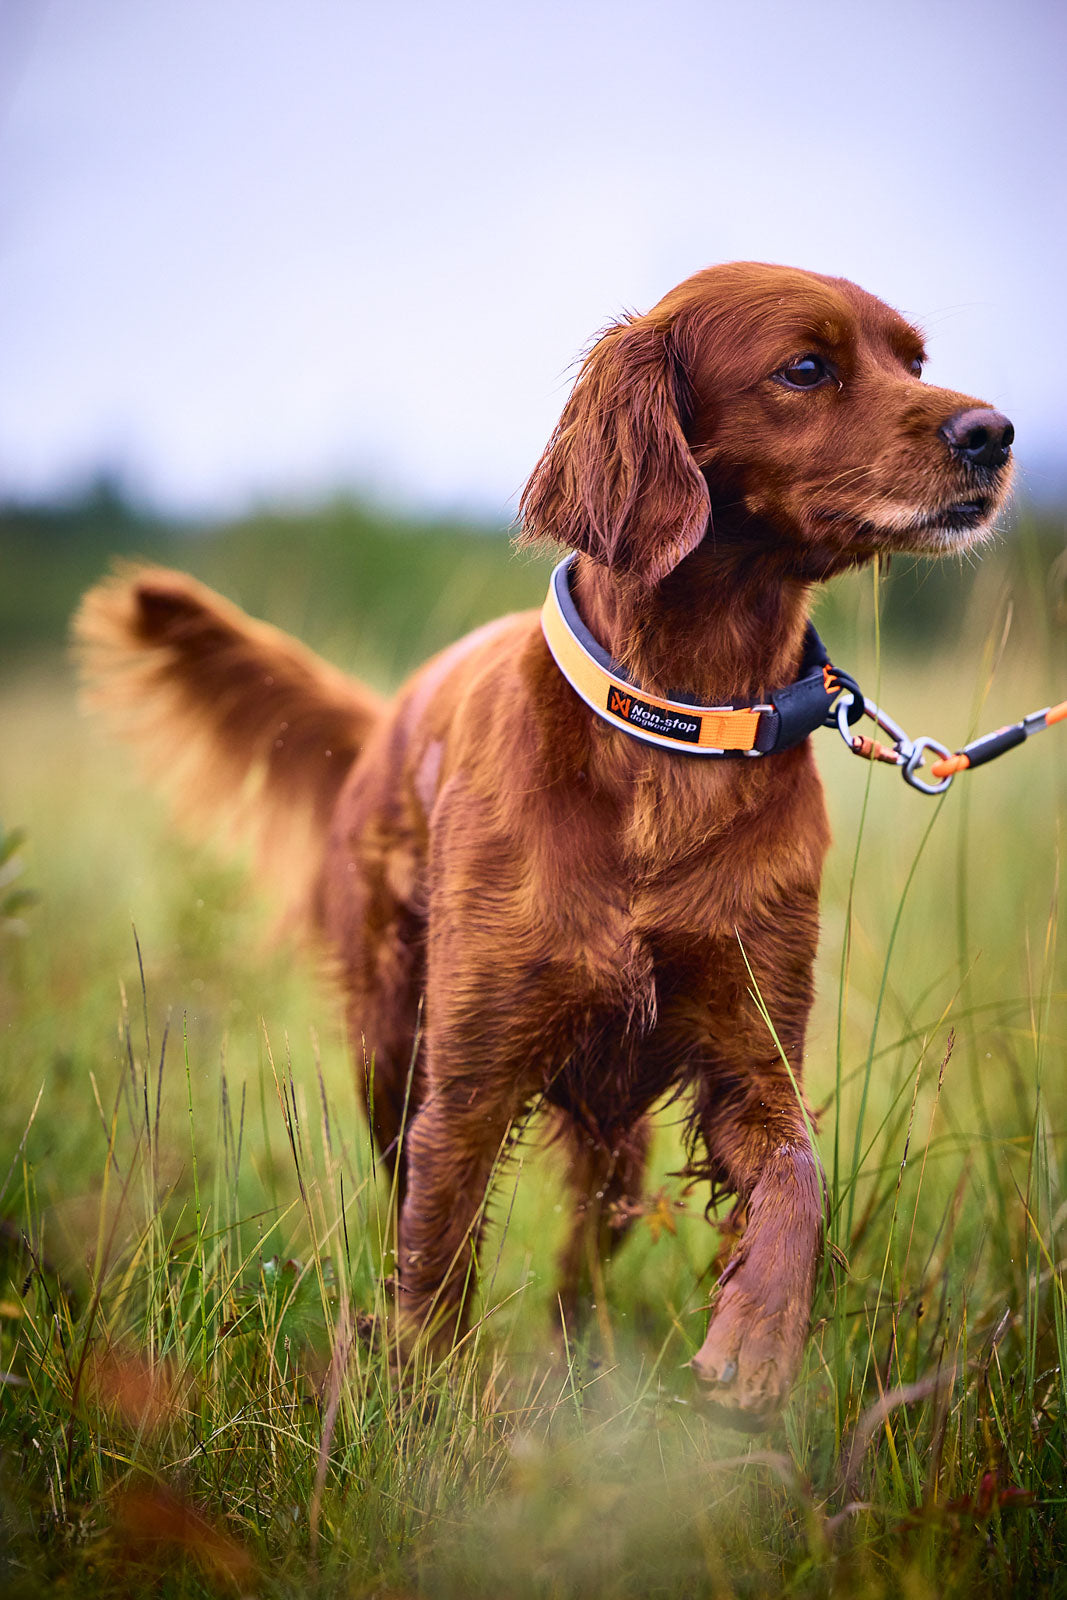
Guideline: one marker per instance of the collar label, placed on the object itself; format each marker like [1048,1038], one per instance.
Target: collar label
[651,719]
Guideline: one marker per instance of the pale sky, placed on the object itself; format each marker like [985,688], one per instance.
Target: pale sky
[256,248]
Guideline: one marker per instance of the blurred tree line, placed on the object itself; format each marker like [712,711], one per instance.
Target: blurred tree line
[378,591]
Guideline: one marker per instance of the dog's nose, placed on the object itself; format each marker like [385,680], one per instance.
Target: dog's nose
[980,436]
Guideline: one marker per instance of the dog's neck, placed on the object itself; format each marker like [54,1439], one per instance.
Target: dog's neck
[726,626]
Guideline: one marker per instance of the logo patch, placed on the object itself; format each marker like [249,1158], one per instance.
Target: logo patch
[639,714]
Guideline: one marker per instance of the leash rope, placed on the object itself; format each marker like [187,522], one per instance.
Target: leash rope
[908,753]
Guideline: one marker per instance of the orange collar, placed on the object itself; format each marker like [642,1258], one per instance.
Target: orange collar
[752,730]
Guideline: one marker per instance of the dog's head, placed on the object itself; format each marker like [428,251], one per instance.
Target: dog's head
[765,404]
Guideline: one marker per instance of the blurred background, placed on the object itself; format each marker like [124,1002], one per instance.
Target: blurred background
[261,250]
[258,256]
[255,249]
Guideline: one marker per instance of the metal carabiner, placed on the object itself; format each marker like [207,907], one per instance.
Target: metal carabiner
[841,711]
[914,761]
[907,753]
[881,719]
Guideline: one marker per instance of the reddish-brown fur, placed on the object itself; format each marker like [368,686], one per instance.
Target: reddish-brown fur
[572,910]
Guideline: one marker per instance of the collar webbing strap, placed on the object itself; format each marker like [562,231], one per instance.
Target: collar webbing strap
[788,717]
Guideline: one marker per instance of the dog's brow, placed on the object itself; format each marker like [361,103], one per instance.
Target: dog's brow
[906,341]
[891,331]
[831,336]
[800,322]
[830,332]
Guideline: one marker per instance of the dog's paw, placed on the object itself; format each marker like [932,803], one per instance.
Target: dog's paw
[760,1322]
[751,1354]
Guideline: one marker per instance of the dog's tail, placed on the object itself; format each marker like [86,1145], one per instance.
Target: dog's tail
[238,722]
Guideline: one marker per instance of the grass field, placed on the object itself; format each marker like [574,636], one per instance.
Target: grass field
[190,1401]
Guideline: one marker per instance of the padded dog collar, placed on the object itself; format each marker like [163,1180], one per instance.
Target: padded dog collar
[787,717]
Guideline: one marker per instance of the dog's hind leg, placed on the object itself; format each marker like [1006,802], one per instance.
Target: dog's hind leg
[386,1047]
[383,978]
[605,1180]
[451,1148]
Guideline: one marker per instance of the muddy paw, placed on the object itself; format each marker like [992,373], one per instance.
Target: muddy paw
[756,1335]
[750,1357]
[739,1393]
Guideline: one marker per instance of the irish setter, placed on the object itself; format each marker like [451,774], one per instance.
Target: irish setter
[529,907]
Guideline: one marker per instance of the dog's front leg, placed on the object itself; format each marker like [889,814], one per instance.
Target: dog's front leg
[757,1132]
[760,1321]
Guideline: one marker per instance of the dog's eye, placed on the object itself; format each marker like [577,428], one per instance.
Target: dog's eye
[804,372]
[916,367]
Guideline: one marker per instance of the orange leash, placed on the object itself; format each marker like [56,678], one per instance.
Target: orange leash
[994,744]
[908,753]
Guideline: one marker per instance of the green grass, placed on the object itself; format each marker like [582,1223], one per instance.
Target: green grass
[191,1400]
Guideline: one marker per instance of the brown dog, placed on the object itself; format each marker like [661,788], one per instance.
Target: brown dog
[572,907]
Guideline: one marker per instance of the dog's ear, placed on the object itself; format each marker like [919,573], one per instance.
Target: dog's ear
[617,478]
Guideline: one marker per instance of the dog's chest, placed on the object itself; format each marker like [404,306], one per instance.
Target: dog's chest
[700,880]
[649,931]
[625,1035]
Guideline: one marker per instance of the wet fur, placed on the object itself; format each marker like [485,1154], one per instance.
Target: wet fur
[568,911]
